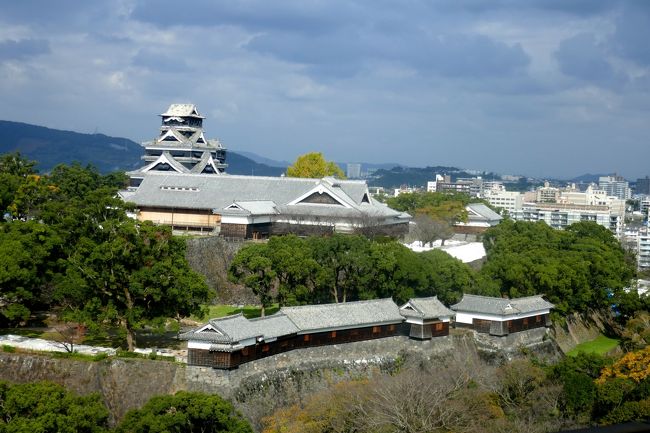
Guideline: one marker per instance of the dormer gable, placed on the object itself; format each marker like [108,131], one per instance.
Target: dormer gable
[208,328]
[320,195]
[162,163]
[234,206]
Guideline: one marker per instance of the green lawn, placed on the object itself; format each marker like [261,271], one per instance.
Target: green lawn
[250,311]
[600,346]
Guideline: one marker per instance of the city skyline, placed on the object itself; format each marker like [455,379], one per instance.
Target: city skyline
[543,88]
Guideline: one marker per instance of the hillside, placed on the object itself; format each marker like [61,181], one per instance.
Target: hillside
[50,147]
[414,176]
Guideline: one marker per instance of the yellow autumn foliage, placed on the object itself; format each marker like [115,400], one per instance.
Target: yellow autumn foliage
[633,365]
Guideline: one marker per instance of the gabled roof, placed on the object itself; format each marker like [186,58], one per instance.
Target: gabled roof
[236,328]
[297,320]
[182,110]
[501,306]
[257,207]
[309,318]
[217,193]
[425,308]
[165,158]
[206,160]
[482,212]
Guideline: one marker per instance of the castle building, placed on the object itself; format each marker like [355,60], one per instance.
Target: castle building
[184,185]
[181,146]
[228,342]
[502,316]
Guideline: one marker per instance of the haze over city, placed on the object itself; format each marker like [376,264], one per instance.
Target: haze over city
[545,88]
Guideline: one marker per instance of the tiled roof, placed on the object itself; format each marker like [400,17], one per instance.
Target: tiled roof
[483,212]
[297,320]
[232,329]
[501,306]
[309,318]
[425,308]
[181,110]
[205,191]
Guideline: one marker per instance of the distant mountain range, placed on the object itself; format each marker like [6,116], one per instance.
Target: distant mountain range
[587,178]
[49,147]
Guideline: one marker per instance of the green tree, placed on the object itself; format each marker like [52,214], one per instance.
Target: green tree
[447,277]
[253,267]
[48,408]
[28,250]
[314,165]
[130,274]
[345,265]
[295,269]
[437,205]
[579,268]
[186,412]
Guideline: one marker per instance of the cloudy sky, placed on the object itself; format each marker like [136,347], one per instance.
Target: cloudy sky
[539,87]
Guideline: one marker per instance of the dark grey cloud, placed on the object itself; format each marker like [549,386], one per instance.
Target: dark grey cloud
[474,56]
[60,16]
[295,15]
[461,82]
[583,58]
[22,49]
[349,51]
[632,34]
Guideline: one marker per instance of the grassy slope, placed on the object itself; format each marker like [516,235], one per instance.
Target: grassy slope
[601,345]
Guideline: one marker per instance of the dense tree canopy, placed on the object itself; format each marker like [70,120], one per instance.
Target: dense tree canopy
[314,165]
[581,267]
[69,246]
[134,274]
[45,407]
[48,408]
[26,268]
[185,412]
[340,268]
[444,206]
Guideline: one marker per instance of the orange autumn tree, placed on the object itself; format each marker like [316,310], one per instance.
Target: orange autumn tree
[633,365]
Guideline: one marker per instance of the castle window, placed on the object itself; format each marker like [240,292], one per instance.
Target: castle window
[376,329]
[333,334]
[306,338]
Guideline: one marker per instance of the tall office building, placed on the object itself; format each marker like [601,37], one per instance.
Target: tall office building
[615,186]
[353,171]
[643,186]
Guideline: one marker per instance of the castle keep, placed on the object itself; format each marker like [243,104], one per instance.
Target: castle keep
[184,185]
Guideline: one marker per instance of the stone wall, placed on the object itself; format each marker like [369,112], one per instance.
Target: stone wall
[581,327]
[258,388]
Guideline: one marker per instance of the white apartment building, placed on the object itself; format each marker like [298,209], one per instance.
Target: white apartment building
[561,215]
[547,194]
[644,206]
[643,249]
[511,201]
[560,208]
